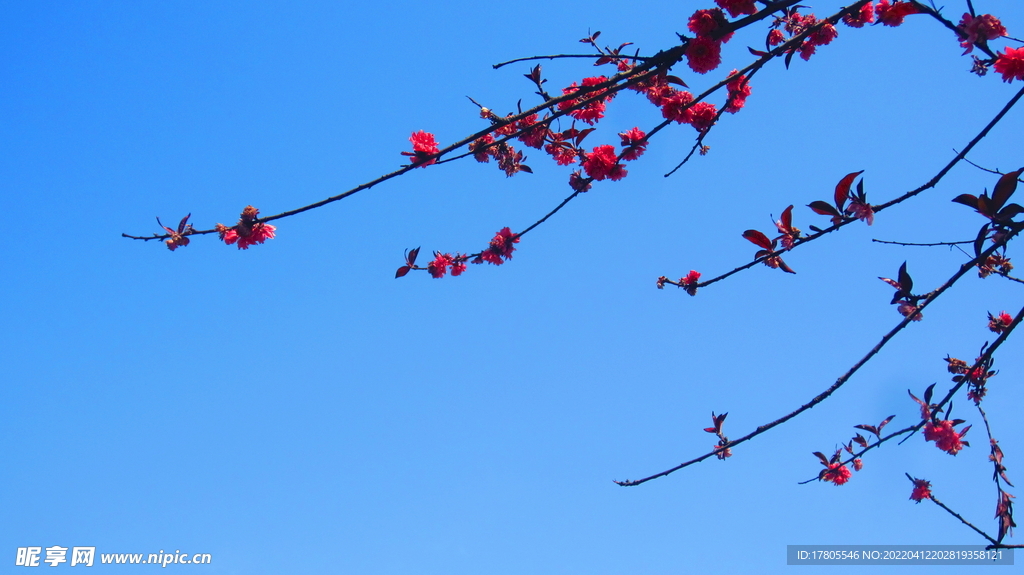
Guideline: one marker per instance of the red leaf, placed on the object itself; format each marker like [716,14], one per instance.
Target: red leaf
[784,267]
[710,430]
[757,53]
[821,456]
[676,80]
[184,220]
[410,259]
[823,208]
[758,239]
[893,283]
[843,188]
[787,218]
[1004,189]
[968,200]
[402,271]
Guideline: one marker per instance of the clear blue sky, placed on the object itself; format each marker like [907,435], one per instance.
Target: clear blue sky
[293,408]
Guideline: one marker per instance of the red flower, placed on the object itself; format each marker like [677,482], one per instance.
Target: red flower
[776,37]
[738,7]
[837,473]
[945,437]
[861,210]
[858,464]
[703,116]
[704,22]
[675,107]
[578,182]
[481,152]
[703,54]
[893,15]
[439,266]
[247,232]
[908,309]
[858,20]
[922,490]
[807,49]
[1000,322]
[594,109]
[458,265]
[824,35]
[501,247]
[602,163]
[1011,64]
[691,278]
[634,139]
[532,137]
[739,89]
[424,146]
[563,152]
[975,28]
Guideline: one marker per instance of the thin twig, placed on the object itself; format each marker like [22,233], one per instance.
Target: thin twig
[924,245]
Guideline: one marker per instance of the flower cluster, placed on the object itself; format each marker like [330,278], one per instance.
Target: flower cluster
[837,473]
[424,149]
[248,231]
[501,248]
[982,28]
[441,262]
[1011,64]
[689,283]
[593,100]
[739,89]
[865,15]
[999,323]
[634,144]
[738,7]
[922,490]
[945,436]
[995,264]
[602,163]
[893,14]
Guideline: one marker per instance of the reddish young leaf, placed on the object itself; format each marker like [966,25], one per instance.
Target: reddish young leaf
[759,239]
[410,258]
[402,271]
[758,53]
[787,217]
[821,456]
[824,209]
[969,200]
[1004,189]
[676,80]
[891,282]
[843,188]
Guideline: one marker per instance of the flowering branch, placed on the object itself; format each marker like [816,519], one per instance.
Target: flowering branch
[927,185]
[931,297]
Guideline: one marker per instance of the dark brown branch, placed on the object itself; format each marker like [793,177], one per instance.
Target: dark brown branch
[964,521]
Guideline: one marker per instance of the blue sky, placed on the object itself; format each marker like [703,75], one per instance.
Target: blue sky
[294,408]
